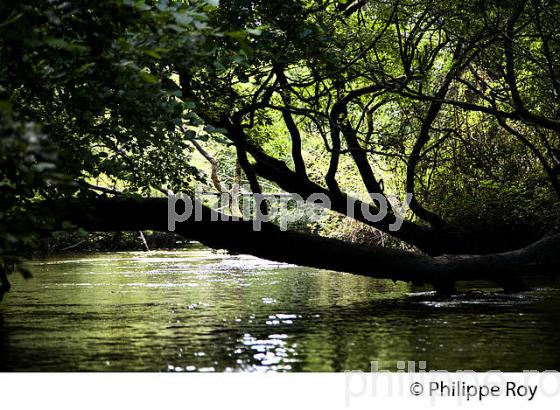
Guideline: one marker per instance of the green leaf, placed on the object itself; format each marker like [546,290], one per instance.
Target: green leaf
[152,53]
[148,77]
[254,31]
[12,18]
[62,44]
[84,67]
[238,35]
[43,166]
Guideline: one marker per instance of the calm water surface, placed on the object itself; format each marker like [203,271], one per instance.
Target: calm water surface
[195,310]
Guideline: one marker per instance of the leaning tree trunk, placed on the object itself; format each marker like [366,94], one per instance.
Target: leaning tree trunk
[442,272]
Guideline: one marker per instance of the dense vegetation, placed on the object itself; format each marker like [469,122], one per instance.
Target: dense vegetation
[107,105]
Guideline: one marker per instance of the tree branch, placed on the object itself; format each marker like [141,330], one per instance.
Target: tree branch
[129,214]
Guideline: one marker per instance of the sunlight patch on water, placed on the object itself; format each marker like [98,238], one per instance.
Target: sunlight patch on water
[481,299]
[162,285]
[272,353]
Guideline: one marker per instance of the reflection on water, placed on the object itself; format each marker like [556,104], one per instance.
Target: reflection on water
[195,310]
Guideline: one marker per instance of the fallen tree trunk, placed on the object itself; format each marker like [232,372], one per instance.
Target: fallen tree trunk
[128,214]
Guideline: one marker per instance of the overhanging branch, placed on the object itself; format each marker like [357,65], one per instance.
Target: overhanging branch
[130,214]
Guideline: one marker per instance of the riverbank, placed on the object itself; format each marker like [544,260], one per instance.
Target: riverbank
[72,242]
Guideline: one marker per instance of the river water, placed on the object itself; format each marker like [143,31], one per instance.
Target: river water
[197,310]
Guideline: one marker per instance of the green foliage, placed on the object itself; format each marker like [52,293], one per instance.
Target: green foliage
[27,166]
[102,79]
